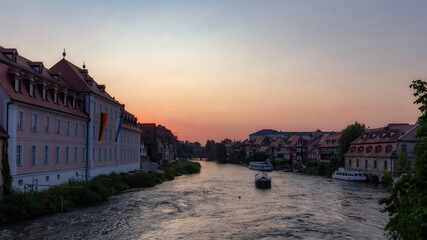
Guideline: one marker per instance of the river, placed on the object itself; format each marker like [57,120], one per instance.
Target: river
[222,203]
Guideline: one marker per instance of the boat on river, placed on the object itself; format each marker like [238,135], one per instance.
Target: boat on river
[262,180]
[355,176]
[261,166]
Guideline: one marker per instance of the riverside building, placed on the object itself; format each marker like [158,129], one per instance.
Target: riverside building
[62,124]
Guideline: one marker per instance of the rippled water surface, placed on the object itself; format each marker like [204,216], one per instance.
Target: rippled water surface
[207,206]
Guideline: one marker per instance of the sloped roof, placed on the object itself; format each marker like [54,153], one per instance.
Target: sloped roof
[24,67]
[81,80]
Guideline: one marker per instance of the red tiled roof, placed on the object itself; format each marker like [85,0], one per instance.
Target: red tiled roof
[75,76]
[373,151]
[8,67]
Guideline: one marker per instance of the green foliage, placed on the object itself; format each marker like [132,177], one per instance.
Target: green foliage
[320,169]
[348,134]
[7,178]
[407,203]
[281,164]
[216,151]
[18,206]
[257,157]
[387,178]
[402,164]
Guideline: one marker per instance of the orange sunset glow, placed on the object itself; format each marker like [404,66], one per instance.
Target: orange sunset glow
[227,69]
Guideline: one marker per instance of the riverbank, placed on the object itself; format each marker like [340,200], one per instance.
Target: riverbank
[19,206]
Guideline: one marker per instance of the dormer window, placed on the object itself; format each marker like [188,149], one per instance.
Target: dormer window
[373,135]
[32,89]
[353,149]
[37,66]
[364,136]
[328,141]
[17,83]
[388,148]
[360,149]
[44,92]
[55,96]
[369,149]
[392,133]
[10,53]
[74,102]
[377,149]
[65,100]
[383,134]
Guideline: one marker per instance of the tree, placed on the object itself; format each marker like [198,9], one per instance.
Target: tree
[348,134]
[6,175]
[407,203]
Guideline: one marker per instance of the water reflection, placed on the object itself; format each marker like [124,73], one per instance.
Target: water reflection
[207,206]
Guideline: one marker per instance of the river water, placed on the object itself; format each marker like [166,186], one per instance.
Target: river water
[207,206]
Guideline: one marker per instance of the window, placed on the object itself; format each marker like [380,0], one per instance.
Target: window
[100,154]
[34,122]
[83,154]
[94,107]
[32,89]
[375,164]
[404,148]
[47,124]
[44,93]
[76,129]
[58,176]
[105,154]
[111,134]
[20,182]
[366,164]
[115,154]
[385,165]
[65,100]
[94,154]
[74,102]
[46,154]
[357,163]
[392,133]
[84,130]
[17,84]
[20,123]
[369,149]
[67,154]
[68,128]
[58,126]
[33,155]
[57,154]
[100,107]
[76,152]
[360,149]
[388,149]
[377,149]
[111,154]
[55,97]
[373,135]
[352,149]
[19,155]
[47,178]
[94,132]
[364,136]
[106,109]
[111,113]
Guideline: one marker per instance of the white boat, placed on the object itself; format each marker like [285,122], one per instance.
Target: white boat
[349,175]
[261,166]
[262,180]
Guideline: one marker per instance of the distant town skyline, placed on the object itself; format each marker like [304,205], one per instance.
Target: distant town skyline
[226,69]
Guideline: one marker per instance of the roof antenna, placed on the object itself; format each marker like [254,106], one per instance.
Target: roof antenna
[64,54]
[84,65]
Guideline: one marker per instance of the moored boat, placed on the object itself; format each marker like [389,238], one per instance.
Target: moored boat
[261,166]
[355,176]
[262,180]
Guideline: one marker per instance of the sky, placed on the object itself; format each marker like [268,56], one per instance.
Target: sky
[226,69]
